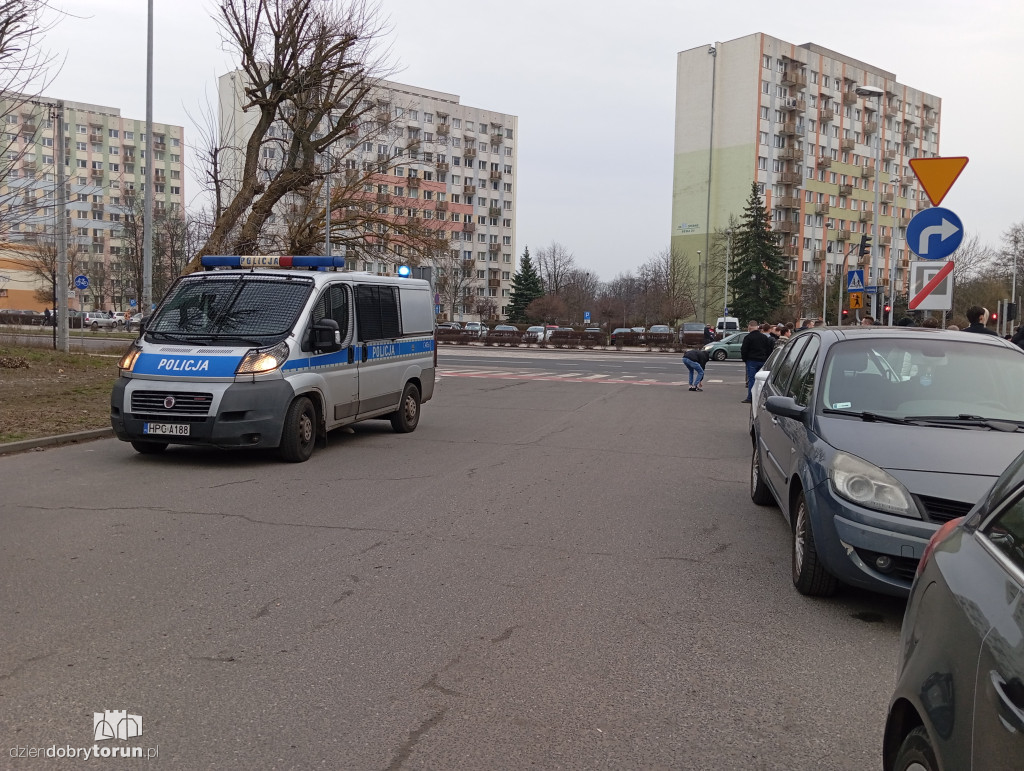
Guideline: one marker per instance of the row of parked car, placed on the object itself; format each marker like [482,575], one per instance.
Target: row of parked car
[897,458]
[76,319]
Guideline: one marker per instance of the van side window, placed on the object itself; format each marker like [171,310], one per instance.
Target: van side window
[377,312]
[333,304]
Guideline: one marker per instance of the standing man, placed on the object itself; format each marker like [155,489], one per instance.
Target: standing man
[978,317]
[756,347]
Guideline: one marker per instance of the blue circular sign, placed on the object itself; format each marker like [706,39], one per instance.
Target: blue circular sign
[81,282]
[934,234]
[131,303]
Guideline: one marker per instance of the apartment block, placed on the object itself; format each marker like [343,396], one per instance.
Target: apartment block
[445,162]
[105,168]
[789,117]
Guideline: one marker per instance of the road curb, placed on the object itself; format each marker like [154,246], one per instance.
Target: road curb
[52,441]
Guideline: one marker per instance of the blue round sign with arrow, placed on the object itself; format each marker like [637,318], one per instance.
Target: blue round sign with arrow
[81,282]
[934,234]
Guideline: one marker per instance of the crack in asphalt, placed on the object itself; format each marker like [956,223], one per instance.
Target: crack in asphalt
[406,748]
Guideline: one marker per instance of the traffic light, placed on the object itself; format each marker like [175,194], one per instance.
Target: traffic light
[845,314]
[865,245]
[1011,311]
[887,308]
[994,316]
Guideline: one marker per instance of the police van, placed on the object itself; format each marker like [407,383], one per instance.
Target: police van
[275,352]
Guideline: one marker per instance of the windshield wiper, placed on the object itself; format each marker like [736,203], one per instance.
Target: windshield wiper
[172,338]
[873,417]
[996,424]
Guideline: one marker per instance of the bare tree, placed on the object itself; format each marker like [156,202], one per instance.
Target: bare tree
[549,308]
[313,83]
[24,73]
[669,287]
[173,241]
[42,258]
[453,281]
[579,291]
[554,264]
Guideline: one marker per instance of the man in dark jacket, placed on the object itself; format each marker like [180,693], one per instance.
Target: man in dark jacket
[755,348]
[978,317]
[696,360]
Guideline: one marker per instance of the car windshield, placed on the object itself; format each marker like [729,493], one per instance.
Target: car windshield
[236,306]
[920,378]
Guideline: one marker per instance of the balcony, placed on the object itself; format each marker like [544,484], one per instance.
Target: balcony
[791,153]
[494,211]
[885,240]
[845,189]
[159,147]
[794,78]
[443,167]
[849,97]
[905,221]
[159,176]
[787,202]
[842,235]
[29,163]
[887,197]
[846,144]
[96,173]
[469,189]
[441,206]
[97,240]
[469,152]
[786,226]
[383,198]
[791,251]
[819,255]
[867,172]
[413,182]
[495,176]
[928,121]
[96,138]
[128,141]
[824,161]
[790,177]
[822,208]
[909,135]
[871,127]
[468,265]
[494,248]
[826,115]
[792,103]
[97,206]
[790,128]
[497,138]
[443,129]
[382,116]
[889,155]
[865,215]
[468,227]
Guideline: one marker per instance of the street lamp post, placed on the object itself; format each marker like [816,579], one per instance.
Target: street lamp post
[895,182]
[700,267]
[878,93]
[728,259]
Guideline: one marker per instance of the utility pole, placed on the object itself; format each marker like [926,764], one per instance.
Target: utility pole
[60,291]
[147,223]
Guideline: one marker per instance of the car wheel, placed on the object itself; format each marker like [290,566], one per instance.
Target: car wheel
[809,575]
[759,491]
[719,355]
[94,326]
[299,434]
[916,753]
[149,448]
[405,419]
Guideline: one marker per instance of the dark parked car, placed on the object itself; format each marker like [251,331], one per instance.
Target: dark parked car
[691,334]
[959,700]
[870,438]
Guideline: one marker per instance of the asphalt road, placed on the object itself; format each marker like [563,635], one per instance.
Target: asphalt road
[550,572]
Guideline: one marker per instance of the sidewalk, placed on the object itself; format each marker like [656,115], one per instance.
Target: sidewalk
[9,448]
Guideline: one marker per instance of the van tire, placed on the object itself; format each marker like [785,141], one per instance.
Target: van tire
[298,437]
[405,419]
[149,448]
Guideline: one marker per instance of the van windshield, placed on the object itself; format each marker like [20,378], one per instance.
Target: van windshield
[231,307]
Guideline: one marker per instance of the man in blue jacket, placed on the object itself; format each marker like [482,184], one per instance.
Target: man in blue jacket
[754,350]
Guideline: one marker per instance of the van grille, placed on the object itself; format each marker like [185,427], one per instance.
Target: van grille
[181,403]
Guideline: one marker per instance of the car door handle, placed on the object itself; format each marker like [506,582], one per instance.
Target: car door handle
[1011,713]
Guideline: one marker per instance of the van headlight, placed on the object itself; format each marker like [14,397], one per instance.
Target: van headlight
[128,360]
[867,485]
[261,360]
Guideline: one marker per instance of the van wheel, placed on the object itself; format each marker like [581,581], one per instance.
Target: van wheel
[299,434]
[406,418]
[149,448]
[809,575]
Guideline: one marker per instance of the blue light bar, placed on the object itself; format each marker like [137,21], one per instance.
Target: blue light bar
[404,270]
[271,261]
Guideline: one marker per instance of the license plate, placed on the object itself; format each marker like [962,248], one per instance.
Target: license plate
[166,429]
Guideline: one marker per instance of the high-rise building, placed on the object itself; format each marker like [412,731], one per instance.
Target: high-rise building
[823,135]
[438,160]
[105,168]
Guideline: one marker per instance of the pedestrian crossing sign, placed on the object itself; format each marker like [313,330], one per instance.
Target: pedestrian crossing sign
[855,281]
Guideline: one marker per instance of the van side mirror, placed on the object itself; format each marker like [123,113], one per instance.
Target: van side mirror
[325,336]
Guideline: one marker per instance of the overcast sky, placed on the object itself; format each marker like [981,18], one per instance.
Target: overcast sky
[593,85]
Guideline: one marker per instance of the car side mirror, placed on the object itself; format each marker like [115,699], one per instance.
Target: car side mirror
[325,336]
[785,406]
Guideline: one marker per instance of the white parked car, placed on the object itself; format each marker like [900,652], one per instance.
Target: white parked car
[476,326]
[533,334]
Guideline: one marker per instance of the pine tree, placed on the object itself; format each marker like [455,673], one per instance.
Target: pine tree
[526,287]
[758,282]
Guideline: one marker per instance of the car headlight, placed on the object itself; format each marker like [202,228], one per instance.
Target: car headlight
[128,360]
[261,360]
[709,346]
[867,485]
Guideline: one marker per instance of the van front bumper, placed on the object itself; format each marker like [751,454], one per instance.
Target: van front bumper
[242,414]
